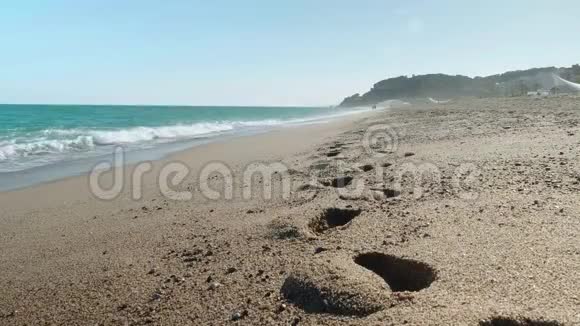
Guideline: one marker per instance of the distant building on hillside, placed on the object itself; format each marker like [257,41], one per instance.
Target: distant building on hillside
[388,104]
[540,92]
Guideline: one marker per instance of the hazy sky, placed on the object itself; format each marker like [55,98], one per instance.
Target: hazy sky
[285,52]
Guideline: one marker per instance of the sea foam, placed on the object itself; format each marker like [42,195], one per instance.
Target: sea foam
[34,136]
[77,140]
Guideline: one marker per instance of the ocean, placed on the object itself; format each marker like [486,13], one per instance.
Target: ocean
[40,143]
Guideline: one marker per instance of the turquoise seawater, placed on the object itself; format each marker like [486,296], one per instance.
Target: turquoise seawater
[52,136]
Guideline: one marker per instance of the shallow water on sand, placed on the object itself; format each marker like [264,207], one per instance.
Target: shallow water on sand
[39,143]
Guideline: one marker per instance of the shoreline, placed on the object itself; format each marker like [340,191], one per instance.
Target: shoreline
[209,152]
[53,172]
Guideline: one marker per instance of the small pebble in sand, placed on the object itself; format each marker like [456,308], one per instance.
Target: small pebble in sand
[155,296]
[231,270]
[319,250]
[214,285]
[239,315]
[282,307]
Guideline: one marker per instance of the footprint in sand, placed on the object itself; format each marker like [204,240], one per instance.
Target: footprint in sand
[332,218]
[399,273]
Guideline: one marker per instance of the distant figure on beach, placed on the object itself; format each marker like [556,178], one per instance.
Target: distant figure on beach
[374,107]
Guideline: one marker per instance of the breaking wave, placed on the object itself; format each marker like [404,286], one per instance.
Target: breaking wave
[25,148]
[52,141]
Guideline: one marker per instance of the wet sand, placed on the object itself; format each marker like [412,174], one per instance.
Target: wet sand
[435,214]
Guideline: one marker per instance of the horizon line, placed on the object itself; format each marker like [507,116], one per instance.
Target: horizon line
[173,105]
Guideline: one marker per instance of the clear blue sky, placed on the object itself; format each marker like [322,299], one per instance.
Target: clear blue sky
[270,52]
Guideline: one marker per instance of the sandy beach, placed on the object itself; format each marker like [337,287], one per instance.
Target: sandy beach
[463,213]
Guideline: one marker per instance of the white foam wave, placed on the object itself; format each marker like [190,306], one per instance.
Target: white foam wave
[51,141]
[14,149]
[60,132]
[175,132]
[142,134]
[434,101]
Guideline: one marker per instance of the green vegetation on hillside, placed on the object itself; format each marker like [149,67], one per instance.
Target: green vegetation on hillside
[511,83]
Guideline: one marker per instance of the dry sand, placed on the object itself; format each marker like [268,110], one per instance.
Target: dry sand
[483,224]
